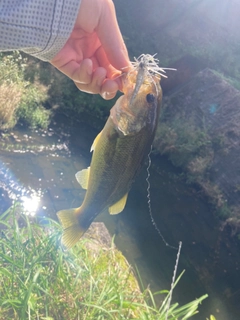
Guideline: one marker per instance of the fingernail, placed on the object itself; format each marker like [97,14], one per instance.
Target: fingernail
[104,95]
[108,95]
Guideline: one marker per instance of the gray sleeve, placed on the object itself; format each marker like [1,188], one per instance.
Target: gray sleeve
[37,27]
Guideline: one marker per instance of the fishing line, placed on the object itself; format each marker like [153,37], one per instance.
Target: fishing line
[162,237]
[149,204]
[173,279]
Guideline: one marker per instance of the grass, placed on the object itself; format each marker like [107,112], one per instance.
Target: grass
[39,280]
[10,96]
[64,97]
[183,144]
[20,100]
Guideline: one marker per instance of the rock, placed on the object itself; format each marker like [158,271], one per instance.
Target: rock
[99,236]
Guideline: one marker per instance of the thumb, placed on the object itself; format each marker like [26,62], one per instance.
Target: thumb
[110,37]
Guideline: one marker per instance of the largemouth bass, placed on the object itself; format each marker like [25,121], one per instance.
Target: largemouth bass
[119,150]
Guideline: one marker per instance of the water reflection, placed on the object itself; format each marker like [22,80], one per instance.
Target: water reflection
[13,190]
[30,204]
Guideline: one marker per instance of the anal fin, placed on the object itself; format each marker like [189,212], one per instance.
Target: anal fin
[119,205]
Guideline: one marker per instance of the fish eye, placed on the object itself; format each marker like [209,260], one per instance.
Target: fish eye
[150,98]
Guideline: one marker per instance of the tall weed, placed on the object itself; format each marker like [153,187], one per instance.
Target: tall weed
[40,280]
[20,100]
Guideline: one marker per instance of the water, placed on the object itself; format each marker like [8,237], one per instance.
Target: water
[39,168]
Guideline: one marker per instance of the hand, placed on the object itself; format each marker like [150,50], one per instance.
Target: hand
[95,53]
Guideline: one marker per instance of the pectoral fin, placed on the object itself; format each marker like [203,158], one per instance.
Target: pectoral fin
[118,206]
[82,177]
[95,141]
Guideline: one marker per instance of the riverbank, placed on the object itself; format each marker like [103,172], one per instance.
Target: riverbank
[39,279]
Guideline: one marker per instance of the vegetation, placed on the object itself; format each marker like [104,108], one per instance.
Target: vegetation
[28,85]
[20,100]
[185,142]
[39,280]
[65,97]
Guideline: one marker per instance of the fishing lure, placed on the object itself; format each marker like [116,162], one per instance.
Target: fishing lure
[146,66]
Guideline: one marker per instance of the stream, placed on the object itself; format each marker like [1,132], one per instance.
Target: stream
[38,168]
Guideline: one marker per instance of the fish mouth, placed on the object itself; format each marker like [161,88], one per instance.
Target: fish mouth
[145,72]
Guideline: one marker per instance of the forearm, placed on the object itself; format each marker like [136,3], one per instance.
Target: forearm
[37,27]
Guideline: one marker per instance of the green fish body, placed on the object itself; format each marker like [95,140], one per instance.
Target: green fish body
[119,152]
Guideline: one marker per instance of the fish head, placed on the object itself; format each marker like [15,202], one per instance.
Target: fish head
[134,110]
[140,87]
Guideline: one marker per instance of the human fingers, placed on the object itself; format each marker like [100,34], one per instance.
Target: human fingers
[78,72]
[112,73]
[105,87]
[111,38]
[94,87]
[104,62]
[109,89]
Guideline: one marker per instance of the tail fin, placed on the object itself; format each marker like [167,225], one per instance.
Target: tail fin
[72,231]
